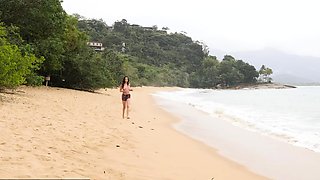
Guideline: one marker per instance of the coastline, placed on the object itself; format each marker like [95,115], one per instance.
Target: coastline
[61,133]
[263,154]
[263,86]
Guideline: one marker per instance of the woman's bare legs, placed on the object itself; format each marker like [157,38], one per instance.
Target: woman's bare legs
[124,104]
[127,104]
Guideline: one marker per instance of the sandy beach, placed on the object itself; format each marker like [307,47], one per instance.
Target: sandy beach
[61,133]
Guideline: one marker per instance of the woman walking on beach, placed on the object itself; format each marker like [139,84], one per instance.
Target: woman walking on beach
[125,89]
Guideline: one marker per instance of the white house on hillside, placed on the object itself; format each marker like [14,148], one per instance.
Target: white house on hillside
[96,46]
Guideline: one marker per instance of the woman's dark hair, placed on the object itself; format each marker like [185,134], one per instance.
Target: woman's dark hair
[123,81]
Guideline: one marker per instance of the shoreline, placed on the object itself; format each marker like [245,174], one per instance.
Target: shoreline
[260,153]
[61,133]
[262,86]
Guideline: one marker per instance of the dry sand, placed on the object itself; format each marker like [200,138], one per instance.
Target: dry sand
[61,133]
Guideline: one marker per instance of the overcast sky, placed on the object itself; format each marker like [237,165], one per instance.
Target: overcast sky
[292,26]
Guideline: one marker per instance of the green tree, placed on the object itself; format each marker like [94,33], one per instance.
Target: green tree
[208,75]
[265,73]
[42,24]
[74,39]
[15,65]
[37,19]
[229,74]
[249,72]
[121,26]
[89,70]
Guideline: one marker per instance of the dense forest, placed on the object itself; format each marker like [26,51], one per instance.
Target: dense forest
[39,39]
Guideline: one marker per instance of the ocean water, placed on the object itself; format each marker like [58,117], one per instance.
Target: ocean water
[290,115]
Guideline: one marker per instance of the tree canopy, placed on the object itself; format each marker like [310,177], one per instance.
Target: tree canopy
[16,64]
[265,73]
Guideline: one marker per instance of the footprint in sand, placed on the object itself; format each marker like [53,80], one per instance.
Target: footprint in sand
[19,147]
[44,158]
[6,158]
[51,147]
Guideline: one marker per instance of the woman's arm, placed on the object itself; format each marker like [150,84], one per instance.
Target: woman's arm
[121,90]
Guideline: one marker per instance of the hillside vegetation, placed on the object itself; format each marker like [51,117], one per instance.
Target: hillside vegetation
[39,39]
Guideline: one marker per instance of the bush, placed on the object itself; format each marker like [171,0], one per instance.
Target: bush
[34,80]
[15,66]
